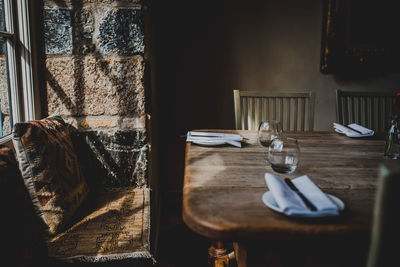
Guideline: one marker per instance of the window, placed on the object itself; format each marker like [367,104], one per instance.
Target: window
[18,101]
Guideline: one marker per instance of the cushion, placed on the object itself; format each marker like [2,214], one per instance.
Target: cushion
[50,170]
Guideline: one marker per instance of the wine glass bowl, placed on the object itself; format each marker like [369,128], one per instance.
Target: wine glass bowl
[284,154]
[268,130]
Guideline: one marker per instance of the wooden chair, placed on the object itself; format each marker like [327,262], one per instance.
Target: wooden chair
[294,110]
[385,226]
[369,109]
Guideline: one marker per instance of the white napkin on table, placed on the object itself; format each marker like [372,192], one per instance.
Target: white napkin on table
[349,130]
[212,138]
[291,204]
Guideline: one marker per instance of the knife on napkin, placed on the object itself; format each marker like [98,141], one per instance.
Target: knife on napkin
[235,137]
[353,130]
[305,200]
[211,138]
[292,204]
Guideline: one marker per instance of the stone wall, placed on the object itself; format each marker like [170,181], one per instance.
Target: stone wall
[95,79]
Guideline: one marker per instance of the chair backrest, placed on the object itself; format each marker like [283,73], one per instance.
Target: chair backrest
[385,222]
[294,110]
[369,109]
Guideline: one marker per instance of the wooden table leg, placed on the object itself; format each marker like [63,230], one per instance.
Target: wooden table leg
[240,254]
[218,255]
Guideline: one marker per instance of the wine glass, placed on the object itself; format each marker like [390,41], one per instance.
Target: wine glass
[268,130]
[284,154]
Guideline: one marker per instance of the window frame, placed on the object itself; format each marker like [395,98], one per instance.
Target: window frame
[22,66]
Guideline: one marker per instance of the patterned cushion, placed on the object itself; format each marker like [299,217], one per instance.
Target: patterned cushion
[50,170]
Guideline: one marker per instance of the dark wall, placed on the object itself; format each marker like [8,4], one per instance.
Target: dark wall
[205,49]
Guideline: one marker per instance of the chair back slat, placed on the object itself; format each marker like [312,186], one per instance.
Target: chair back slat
[273,109]
[259,111]
[311,101]
[250,112]
[244,119]
[265,110]
[288,115]
[366,115]
[303,113]
[296,102]
[369,109]
[294,110]
[237,103]
[377,118]
[346,107]
[388,111]
[359,108]
[372,112]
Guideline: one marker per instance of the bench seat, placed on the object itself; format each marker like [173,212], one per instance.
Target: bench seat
[116,228]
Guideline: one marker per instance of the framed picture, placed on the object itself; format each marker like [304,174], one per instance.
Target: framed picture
[360,36]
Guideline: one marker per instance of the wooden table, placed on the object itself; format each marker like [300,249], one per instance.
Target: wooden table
[223,187]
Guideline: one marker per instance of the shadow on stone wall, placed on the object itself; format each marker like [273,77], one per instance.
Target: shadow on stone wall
[83,68]
[71,106]
[84,78]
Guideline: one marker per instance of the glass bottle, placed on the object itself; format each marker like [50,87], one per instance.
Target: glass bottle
[392,146]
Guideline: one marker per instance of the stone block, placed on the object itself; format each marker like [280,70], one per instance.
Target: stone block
[121,31]
[113,159]
[127,123]
[82,29]
[57,30]
[110,123]
[92,86]
[98,123]
[82,2]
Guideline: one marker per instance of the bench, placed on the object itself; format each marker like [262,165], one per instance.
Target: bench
[57,219]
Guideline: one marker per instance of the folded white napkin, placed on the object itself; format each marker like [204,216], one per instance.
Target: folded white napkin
[353,130]
[291,204]
[212,138]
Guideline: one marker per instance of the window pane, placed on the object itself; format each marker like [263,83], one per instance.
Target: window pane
[5,115]
[2,24]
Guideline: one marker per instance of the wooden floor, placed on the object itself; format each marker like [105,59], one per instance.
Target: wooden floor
[178,245]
